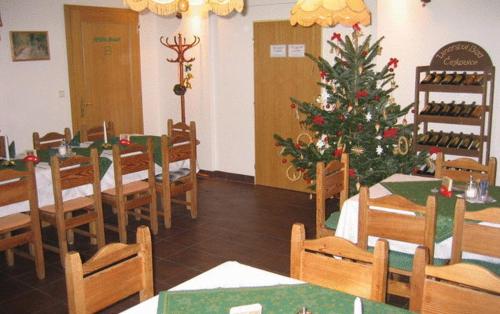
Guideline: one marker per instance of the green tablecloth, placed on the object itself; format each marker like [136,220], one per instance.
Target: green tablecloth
[287,299]
[420,190]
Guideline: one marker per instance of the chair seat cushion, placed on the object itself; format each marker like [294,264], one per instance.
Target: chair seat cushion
[13,222]
[333,220]
[129,188]
[71,205]
[494,268]
[404,261]
[175,175]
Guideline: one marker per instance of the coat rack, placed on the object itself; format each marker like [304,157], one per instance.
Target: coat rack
[180,47]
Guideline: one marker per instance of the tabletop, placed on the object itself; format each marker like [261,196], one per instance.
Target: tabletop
[348,223]
[232,281]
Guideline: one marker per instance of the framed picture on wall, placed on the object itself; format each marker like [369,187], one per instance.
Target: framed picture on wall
[29,45]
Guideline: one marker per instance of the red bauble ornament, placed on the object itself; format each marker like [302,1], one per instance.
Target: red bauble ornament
[292,105]
[338,152]
[352,172]
[376,97]
[297,146]
[284,161]
[318,120]
[391,133]
[340,133]
[341,117]
[360,127]
[361,93]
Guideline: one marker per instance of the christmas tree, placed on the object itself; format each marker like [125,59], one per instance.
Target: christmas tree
[359,117]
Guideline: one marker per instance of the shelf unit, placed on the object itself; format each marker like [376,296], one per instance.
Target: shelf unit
[457,57]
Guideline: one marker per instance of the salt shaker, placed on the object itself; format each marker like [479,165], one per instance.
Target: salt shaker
[62,150]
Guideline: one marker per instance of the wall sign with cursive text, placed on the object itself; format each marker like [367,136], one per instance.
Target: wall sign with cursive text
[461,56]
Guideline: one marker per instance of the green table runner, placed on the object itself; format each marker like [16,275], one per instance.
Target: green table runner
[418,192]
[287,299]
[19,165]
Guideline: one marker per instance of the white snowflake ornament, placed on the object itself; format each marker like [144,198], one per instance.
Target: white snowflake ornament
[368,117]
[379,150]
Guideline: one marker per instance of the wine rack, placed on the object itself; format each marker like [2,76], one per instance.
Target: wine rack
[459,69]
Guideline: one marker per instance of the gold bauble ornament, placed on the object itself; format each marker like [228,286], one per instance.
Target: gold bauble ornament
[183,6]
[360,69]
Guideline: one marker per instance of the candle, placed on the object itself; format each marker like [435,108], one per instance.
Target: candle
[7,153]
[105,133]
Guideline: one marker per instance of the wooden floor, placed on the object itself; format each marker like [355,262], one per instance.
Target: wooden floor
[241,222]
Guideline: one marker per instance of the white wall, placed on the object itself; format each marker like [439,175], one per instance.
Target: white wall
[414,33]
[221,101]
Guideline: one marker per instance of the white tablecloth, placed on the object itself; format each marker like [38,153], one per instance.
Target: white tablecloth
[348,223]
[226,275]
[45,189]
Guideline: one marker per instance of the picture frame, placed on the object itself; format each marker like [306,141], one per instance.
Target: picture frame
[29,45]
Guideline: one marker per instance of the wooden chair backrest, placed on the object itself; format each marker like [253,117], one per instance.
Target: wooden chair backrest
[419,229]
[179,145]
[115,272]
[180,131]
[17,186]
[331,180]
[130,159]
[460,288]
[97,132]
[359,272]
[469,236]
[462,168]
[2,147]
[52,139]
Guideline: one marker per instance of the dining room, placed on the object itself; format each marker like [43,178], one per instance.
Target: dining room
[296,134]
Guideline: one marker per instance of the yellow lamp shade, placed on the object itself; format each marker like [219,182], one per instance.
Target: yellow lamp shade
[330,12]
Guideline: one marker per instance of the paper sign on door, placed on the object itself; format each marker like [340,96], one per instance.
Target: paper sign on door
[278,51]
[296,51]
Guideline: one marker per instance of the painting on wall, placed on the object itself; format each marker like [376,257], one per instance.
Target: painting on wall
[28,46]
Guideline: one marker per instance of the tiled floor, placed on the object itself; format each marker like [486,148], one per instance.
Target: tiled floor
[242,222]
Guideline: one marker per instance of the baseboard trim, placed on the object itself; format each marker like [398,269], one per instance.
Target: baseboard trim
[228,176]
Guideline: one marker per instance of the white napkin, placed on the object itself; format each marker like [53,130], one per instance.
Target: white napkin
[358,306]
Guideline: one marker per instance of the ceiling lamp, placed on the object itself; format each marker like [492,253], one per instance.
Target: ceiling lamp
[169,7]
[330,12]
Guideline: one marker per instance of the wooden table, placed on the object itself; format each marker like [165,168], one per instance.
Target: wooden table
[348,223]
[235,275]
[45,188]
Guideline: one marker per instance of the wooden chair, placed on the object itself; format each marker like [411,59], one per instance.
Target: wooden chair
[462,168]
[419,229]
[52,139]
[331,180]
[179,146]
[115,272]
[18,186]
[357,272]
[469,236]
[96,133]
[456,288]
[66,216]
[135,194]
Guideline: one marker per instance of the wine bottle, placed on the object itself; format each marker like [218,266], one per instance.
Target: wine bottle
[477,112]
[466,112]
[423,138]
[438,77]
[446,109]
[465,143]
[459,78]
[479,80]
[427,108]
[444,140]
[470,78]
[455,140]
[428,78]
[433,140]
[448,78]
[436,108]
[457,109]
[476,144]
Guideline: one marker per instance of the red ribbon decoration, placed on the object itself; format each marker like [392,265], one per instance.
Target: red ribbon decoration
[393,62]
[356,27]
[318,119]
[336,36]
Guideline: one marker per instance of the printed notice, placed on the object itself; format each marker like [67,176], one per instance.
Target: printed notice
[296,51]
[278,51]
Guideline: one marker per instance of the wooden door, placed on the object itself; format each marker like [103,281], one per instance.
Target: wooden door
[104,67]
[276,80]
